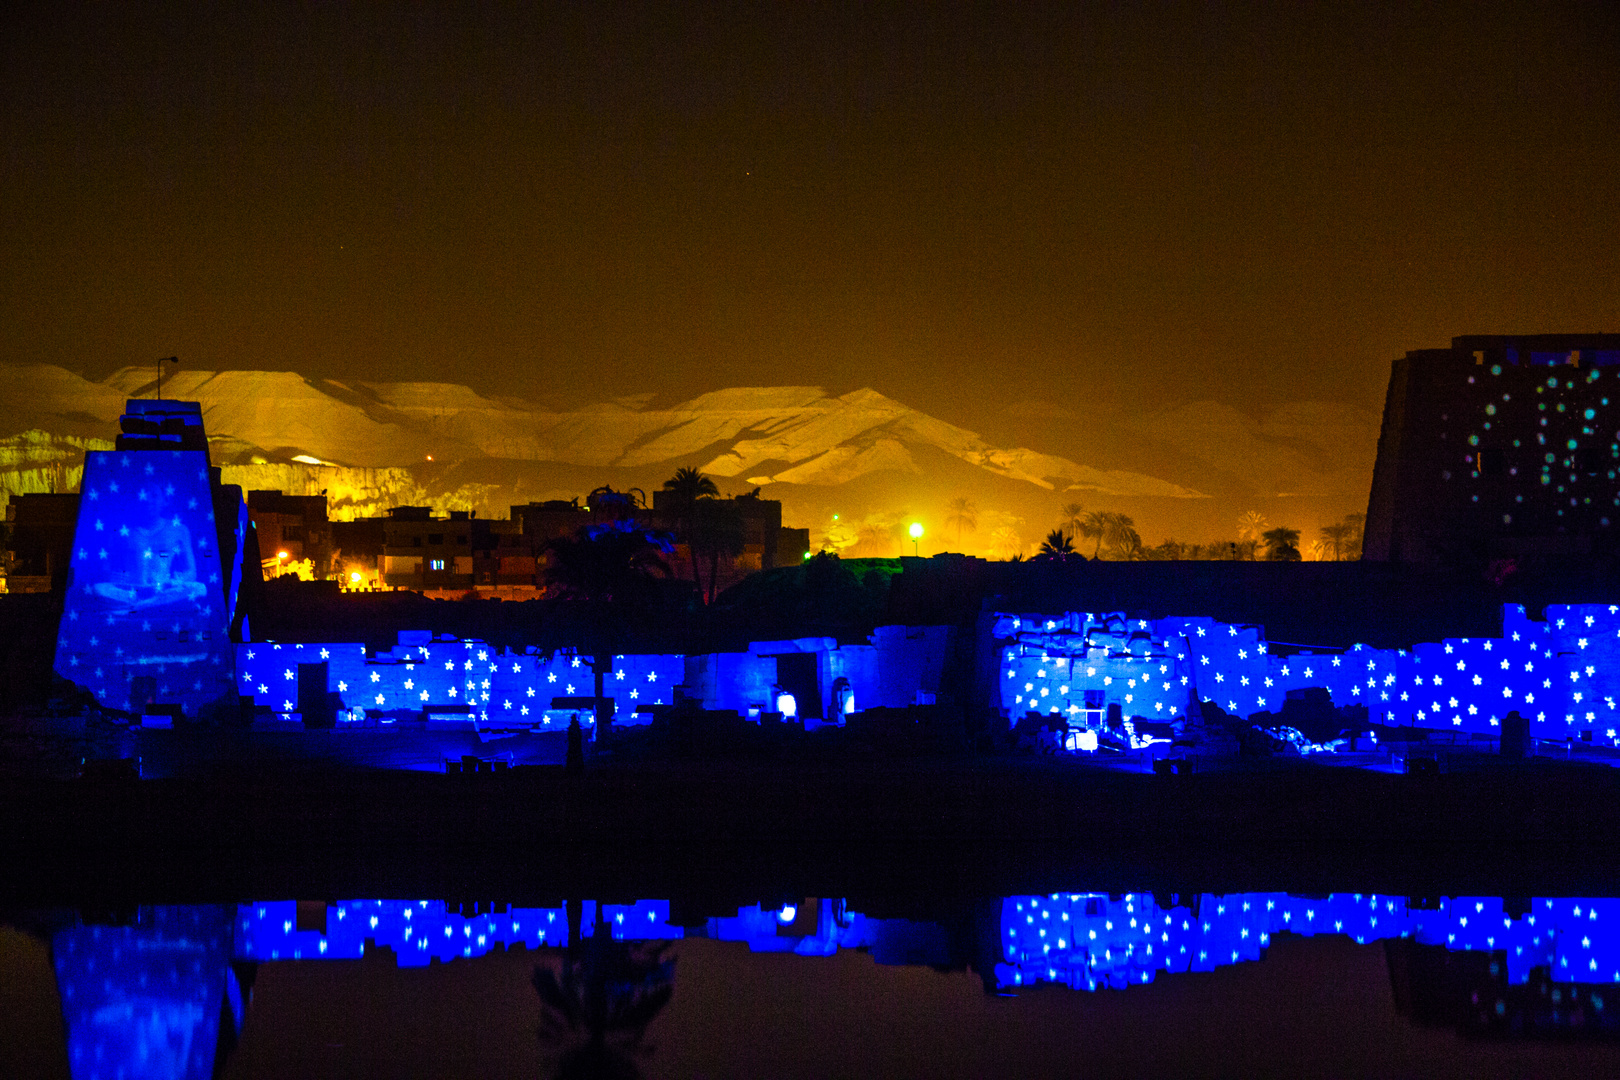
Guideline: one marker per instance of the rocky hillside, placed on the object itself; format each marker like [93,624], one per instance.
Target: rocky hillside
[870,460]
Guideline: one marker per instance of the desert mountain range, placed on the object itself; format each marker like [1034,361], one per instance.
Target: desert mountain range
[1187,471]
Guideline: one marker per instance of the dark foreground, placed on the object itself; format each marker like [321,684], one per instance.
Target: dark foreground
[942,828]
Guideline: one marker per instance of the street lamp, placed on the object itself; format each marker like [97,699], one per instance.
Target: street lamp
[916,531]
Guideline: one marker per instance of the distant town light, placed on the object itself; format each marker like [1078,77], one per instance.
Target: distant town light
[788,913]
[354,576]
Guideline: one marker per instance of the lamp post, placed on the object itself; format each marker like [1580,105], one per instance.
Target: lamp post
[165,360]
[916,531]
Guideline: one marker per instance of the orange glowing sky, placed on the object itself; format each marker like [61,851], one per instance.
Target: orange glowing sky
[965,210]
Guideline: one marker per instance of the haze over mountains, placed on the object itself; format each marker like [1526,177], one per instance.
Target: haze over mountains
[1187,471]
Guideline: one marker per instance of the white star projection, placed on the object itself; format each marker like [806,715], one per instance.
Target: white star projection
[148,610]
[1562,674]
[409,681]
[421,932]
[1092,941]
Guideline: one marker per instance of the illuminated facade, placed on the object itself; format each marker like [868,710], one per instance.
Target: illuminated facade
[156,570]
[448,681]
[1499,447]
[294,535]
[1561,674]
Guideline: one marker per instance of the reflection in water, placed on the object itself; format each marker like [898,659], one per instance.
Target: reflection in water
[598,1002]
[1090,941]
[149,1000]
[156,998]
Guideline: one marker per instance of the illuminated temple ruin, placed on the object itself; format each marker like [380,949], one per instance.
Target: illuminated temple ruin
[1511,430]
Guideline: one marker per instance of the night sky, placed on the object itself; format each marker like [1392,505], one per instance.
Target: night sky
[963,209]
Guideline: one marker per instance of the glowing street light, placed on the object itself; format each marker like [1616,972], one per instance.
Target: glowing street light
[916,531]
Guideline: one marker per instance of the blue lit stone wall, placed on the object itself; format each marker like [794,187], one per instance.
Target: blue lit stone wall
[910,661]
[1561,673]
[499,686]
[1048,664]
[147,611]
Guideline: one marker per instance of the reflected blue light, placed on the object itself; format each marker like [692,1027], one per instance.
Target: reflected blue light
[146,1001]
[1091,941]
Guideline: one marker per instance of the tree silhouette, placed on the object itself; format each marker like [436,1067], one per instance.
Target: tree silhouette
[616,504]
[1094,526]
[875,538]
[1282,544]
[687,488]
[1124,542]
[963,515]
[1358,534]
[597,1004]
[612,562]
[1337,538]
[1006,543]
[1252,525]
[1057,544]
[718,531]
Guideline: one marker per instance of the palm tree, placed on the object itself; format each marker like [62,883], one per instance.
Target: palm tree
[599,1001]
[1282,544]
[1005,543]
[1057,544]
[1175,550]
[1072,515]
[1337,538]
[875,538]
[613,562]
[1094,526]
[1358,533]
[617,504]
[719,532]
[1124,542]
[1252,525]
[963,514]
[687,488]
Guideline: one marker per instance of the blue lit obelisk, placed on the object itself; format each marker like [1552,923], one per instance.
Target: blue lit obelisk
[156,569]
